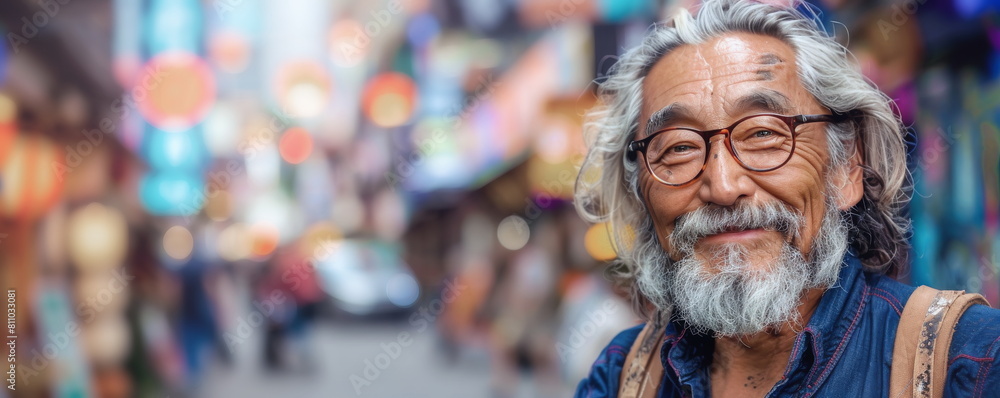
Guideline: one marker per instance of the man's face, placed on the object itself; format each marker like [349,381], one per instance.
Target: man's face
[709,86]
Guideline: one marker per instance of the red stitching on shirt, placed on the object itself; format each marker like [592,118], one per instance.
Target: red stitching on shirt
[617,351]
[611,350]
[836,352]
[672,346]
[984,370]
[898,312]
[969,357]
[895,301]
[995,341]
[981,378]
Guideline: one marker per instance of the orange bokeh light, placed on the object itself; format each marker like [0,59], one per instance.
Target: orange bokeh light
[175,90]
[598,242]
[8,126]
[390,99]
[8,132]
[32,172]
[263,240]
[295,145]
[303,88]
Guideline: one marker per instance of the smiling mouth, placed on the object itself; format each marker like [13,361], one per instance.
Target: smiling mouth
[733,234]
[736,229]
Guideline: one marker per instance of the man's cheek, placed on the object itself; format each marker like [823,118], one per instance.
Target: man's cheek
[662,232]
[674,254]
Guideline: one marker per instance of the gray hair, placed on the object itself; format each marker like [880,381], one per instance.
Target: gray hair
[607,186]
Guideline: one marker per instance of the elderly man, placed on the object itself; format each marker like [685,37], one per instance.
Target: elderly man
[754,180]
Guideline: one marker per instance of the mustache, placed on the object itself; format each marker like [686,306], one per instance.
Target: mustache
[713,219]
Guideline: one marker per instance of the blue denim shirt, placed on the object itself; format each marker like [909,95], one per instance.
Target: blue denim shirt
[844,351]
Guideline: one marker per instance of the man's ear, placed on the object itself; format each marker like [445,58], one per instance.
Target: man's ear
[850,181]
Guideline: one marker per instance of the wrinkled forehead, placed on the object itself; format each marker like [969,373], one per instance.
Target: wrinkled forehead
[708,85]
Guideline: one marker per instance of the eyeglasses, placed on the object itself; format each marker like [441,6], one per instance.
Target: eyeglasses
[677,156]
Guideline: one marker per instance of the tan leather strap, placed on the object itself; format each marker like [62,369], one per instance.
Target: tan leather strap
[923,341]
[931,343]
[907,336]
[643,370]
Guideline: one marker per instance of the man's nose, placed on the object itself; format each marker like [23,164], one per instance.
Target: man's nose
[724,180]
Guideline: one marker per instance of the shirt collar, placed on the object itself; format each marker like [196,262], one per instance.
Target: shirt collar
[815,351]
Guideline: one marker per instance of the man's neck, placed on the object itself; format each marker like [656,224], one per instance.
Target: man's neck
[750,365]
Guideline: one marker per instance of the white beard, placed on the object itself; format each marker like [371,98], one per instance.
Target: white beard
[732,296]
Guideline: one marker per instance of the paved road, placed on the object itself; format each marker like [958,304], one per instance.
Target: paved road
[341,350]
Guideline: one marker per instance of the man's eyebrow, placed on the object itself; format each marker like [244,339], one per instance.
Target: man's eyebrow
[764,100]
[769,59]
[665,116]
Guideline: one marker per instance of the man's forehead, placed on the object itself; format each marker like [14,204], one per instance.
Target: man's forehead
[725,55]
[723,69]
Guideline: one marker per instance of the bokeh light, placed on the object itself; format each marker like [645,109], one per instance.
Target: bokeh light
[234,242]
[219,206]
[295,145]
[598,242]
[303,88]
[8,125]
[183,19]
[176,151]
[275,212]
[32,174]
[317,239]
[170,193]
[422,28]
[178,243]
[402,290]
[229,51]
[97,237]
[263,240]
[389,99]
[179,89]
[620,10]
[513,232]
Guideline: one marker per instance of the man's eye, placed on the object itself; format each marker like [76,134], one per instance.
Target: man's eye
[763,134]
[681,148]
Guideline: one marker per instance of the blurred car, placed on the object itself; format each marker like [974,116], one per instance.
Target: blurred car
[367,277]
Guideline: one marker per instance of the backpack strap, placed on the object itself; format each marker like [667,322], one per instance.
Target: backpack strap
[643,370]
[923,341]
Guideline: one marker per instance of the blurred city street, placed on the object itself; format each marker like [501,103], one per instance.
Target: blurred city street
[340,347]
[340,351]
[337,198]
